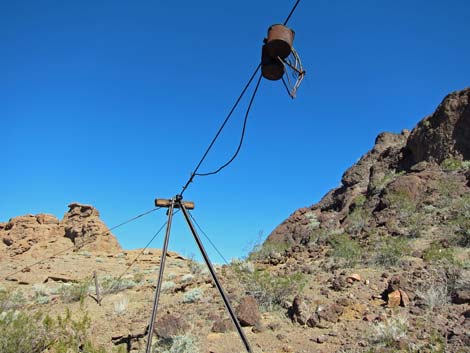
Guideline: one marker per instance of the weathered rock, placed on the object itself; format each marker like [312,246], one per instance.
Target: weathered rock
[22,233]
[299,311]
[248,312]
[405,299]
[84,227]
[444,134]
[222,326]
[170,325]
[393,299]
[461,296]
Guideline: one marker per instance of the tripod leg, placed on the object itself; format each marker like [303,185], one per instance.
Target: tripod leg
[216,279]
[160,279]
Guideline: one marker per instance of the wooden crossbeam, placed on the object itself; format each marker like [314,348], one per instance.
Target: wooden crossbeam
[167,202]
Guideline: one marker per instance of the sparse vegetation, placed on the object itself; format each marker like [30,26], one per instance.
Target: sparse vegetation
[36,332]
[74,292]
[263,251]
[346,249]
[388,333]
[270,290]
[177,344]
[437,254]
[390,250]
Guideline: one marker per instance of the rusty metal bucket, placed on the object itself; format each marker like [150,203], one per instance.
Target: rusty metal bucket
[271,68]
[279,42]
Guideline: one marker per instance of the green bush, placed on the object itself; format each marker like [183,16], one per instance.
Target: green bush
[452,164]
[263,251]
[35,332]
[346,249]
[437,254]
[270,290]
[390,251]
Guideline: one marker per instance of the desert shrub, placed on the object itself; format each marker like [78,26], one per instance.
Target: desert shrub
[434,296]
[380,184]
[110,284]
[460,221]
[168,286]
[357,220]
[437,254]
[36,332]
[270,290]
[402,202]
[193,295]
[22,332]
[41,295]
[73,292]
[390,250]
[187,277]
[177,344]
[452,164]
[313,222]
[11,300]
[268,248]
[389,332]
[346,249]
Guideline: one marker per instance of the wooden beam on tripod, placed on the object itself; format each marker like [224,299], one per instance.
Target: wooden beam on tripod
[167,202]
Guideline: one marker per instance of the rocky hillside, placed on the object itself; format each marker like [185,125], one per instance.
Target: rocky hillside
[402,171]
[380,264]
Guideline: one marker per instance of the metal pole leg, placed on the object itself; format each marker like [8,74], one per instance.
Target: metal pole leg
[160,278]
[215,278]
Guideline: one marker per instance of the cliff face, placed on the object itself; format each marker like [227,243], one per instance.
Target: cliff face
[81,227]
[413,166]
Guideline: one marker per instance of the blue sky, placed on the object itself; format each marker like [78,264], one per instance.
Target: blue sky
[112,103]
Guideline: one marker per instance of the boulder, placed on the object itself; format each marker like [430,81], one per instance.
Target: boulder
[247,312]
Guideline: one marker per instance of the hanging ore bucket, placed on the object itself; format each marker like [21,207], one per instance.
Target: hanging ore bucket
[271,68]
[279,42]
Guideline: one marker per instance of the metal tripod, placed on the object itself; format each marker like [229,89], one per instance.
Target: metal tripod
[177,202]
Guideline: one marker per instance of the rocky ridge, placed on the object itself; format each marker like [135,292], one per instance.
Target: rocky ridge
[81,227]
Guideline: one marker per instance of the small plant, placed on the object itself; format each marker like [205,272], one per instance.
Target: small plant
[346,249]
[11,300]
[121,305]
[115,285]
[193,295]
[313,221]
[435,296]
[177,344]
[388,333]
[73,292]
[168,286]
[187,278]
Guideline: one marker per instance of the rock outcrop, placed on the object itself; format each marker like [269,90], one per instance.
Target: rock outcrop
[406,164]
[81,226]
